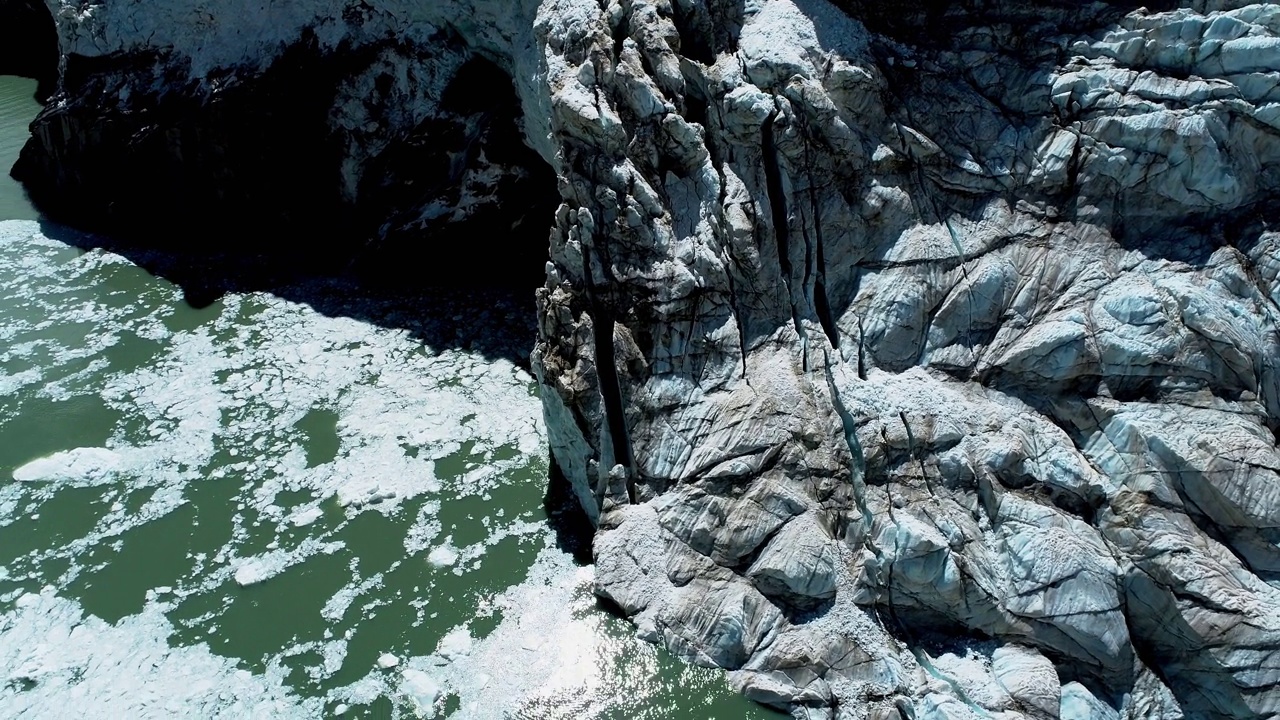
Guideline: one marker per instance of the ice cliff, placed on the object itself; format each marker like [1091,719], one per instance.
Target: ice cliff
[912,360]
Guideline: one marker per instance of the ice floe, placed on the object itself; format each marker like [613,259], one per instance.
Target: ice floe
[61,663]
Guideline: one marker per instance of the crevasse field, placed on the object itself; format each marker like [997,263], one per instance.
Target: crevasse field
[253,509]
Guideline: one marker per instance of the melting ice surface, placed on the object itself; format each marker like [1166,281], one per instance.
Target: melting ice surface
[254,509]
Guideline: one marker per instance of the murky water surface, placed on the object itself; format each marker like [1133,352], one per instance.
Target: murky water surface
[256,509]
[17,108]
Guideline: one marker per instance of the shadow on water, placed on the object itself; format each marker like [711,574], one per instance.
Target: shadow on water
[566,517]
[493,319]
[444,234]
[573,530]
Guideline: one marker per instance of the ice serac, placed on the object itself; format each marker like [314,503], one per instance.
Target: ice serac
[911,362]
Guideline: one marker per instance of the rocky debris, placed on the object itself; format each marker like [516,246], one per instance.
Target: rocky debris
[911,363]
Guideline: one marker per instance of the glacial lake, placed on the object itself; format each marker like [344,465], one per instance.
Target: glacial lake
[305,503]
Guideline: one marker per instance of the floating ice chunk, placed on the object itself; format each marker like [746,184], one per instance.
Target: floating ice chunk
[456,644]
[255,570]
[425,527]
[237,385]
[84,667]
[258,568]
[336,607]
[333,653]
[423,690]
[357,497]
[91,463]
[386,661]
[443,555]
[9,384]
[551,648]
[306,517]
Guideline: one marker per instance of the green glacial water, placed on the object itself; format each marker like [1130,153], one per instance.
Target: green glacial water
[258,509]
[17,108]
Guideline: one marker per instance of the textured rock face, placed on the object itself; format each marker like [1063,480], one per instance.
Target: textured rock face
[912,363]
[276,125]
